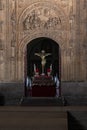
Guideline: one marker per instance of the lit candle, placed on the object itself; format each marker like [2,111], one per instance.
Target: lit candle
[34,68]
[51,67]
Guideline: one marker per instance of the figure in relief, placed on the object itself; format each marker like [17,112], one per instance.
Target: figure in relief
[43,56]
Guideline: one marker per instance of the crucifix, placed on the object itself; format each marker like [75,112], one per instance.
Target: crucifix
[43,56]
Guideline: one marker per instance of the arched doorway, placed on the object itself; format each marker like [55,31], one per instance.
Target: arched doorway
[49,46]
[35,46]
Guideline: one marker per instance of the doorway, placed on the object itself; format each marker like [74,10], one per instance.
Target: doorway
[50,46]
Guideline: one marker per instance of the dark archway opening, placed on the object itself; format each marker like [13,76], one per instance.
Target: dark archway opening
[50,46]
[36,46]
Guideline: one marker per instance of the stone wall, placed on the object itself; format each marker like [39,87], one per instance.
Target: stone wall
[64,21]
[12,92]
[73,93]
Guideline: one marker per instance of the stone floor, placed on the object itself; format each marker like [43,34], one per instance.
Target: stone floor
[32,118]
[43,118]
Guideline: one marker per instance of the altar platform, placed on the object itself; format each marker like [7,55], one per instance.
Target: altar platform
[42,101]
[42,86]
[42,92]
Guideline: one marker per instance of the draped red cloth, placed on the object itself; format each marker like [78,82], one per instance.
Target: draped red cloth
[43,86]
[43,91]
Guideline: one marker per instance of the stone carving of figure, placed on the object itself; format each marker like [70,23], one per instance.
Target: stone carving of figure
[43,56]
[1,5]
[32,21]
[1,24]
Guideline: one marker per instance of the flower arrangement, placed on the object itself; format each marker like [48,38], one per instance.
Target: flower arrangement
[37,70]
[48,70]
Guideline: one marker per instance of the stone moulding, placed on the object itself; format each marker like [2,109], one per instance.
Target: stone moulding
[40,19]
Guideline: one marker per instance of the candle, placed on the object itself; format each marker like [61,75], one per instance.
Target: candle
[51,67]
[34,68]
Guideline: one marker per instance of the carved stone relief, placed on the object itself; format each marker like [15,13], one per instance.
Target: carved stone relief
[1,56]
[85,4]
[1,5]
[1,44]
[13,23]
[64,3]
[1,24]
[41,18]
[21,3]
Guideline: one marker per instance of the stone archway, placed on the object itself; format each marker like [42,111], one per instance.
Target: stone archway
[53,61]
[49,21]
[49,46]
[22,55]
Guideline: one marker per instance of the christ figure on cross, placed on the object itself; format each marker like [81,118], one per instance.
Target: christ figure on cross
[43,56]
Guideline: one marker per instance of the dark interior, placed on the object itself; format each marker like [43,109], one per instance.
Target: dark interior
[35,46]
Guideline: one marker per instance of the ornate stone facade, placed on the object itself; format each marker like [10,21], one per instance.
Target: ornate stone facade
[64,21]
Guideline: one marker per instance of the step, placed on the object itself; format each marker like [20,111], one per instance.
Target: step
[32,120]
[42,101]
[75,100]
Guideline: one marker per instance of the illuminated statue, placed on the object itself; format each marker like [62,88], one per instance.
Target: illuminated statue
[43,55]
